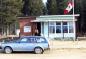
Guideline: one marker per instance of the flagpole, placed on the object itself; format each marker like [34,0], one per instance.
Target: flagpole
[74,21]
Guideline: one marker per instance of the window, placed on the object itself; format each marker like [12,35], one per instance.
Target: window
[51,27]
[64,23]
[32,40]
[24,40]
[41,40]
[51,23]
[58,27]
[54,27]
[70,27]
[65,27]
[58,23]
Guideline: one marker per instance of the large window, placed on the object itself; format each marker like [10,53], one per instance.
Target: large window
[60,27]
[51,27]
[54,27]
[70,27]
[65,27]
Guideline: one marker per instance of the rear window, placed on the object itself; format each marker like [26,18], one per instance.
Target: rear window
[41,40]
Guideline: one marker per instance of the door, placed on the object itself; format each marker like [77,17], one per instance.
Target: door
[27,44]
[20,45]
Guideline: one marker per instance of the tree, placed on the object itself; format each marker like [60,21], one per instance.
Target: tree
[55,7]
[9,10]
[25,9]
[61,5]
[83,15]
[52,7]
[80,8]
[33,8]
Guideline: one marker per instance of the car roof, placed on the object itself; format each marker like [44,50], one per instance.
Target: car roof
[33,36]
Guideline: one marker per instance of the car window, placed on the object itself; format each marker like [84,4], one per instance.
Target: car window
[24,40]
[41,40]
[31,40]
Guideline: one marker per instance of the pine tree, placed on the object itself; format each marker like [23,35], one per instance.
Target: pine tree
[25,9]
[83,15]
[33,8]
[61,5]
[52,7]
[9,10]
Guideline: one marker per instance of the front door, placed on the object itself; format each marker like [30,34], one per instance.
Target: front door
[39,27]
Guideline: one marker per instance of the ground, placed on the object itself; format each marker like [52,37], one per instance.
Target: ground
[59,50]
[52,54]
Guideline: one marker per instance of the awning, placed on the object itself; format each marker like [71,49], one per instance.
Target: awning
[51,20]
[54,18]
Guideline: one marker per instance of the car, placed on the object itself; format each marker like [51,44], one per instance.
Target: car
[37,44]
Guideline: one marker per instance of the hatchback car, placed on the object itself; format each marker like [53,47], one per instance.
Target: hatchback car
[27,43]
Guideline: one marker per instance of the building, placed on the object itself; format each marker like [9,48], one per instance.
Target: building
[27,28]
[52,26]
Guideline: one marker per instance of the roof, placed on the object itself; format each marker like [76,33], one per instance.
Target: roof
[46,18]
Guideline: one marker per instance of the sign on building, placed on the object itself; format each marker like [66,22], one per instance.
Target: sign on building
[27,28]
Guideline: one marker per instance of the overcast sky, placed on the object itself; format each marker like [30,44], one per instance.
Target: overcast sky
[44,1]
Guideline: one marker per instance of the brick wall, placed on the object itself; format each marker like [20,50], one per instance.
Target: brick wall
[26,21]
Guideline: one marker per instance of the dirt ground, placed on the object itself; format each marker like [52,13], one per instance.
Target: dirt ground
[52,54]
[67,44]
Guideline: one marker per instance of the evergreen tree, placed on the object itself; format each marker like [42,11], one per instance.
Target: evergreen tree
[52,7]
[33,8]
[61,5]
[9,10]
[25,9]
[83,15]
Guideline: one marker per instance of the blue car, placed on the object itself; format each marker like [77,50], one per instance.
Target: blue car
[27,43]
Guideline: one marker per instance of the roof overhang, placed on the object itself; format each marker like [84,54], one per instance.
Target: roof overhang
[52,18]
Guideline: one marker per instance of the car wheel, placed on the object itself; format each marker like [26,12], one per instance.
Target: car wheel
[38,50]
[8,50]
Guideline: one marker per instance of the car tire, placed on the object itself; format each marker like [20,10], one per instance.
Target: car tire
[8,50]
[38,50]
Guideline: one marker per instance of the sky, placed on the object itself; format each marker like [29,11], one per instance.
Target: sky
[44,1]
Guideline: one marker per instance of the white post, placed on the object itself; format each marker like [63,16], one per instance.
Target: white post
[74,21]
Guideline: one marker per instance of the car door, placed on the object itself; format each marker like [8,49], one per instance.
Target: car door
[23,44]
[31,43]
[27,44]
[20,45]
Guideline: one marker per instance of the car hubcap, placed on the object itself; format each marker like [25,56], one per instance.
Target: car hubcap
[38,50]
[8,50]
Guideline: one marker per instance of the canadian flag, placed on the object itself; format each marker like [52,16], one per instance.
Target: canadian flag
[69,7]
